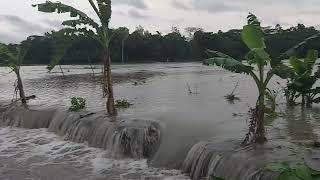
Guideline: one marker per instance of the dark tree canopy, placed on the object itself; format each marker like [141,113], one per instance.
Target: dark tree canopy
[143,46]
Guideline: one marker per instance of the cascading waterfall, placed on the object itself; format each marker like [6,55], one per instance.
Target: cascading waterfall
[226,160]
[26,118]
[233,161]
[133,138]
[139,138]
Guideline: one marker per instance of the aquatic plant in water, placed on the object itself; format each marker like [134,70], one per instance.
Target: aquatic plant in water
[77,103]
[215,178]
[123,103]
[271,102]
[60,47]
[193,90]
[253,36]
[81,24]
[232,97]
[299,171]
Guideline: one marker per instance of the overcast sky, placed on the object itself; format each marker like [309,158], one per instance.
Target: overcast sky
[19,20]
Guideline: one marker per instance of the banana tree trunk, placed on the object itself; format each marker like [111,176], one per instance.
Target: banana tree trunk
[309,100]
[108,88]
[303,102]
[122,52]
[20,87]
[61,70]
[260,136]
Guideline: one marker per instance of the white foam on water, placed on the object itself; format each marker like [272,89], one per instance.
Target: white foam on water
[24,146]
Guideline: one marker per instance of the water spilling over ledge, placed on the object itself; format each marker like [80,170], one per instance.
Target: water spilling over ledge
[133,138]
[138,138]
[185,120]
[233,161]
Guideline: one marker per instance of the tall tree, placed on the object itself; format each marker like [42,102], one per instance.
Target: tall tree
[84,25]
[122,33]
[191,30]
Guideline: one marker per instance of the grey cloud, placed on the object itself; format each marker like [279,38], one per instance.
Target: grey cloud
[140,4]
[310,12]
[7,38]
[177,20]
[214,6]
[52,23]
[119,13]
[136,14]
[19,29]
[21,25]
[180,5]
[211,6]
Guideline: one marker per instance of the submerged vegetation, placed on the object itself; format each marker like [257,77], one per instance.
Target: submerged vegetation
[215,178]
[271,102]
[77,103]
[192,90]
[232,97]
[299,171]
[123,103]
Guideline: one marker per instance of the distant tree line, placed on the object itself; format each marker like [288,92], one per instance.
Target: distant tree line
[143,46]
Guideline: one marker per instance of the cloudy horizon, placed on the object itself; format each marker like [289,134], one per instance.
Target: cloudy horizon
[18,20]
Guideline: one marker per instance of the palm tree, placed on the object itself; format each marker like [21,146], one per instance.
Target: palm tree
[84,25]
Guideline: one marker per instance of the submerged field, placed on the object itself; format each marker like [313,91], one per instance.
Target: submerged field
[158,92]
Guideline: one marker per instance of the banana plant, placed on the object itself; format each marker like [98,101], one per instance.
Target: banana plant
[61,45]
[82,24]
[302,82]
[257,59]
[271,102]
[12,58]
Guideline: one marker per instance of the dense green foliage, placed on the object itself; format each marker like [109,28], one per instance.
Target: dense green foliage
[77,103]
[300,171]
[216,178]
[301,83]
[143,46]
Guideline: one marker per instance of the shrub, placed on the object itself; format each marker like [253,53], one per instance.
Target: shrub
[77,103]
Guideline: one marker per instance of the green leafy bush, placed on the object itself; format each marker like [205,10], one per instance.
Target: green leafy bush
[123,103]
[216,178]
[300,171]
[301,83]
[77,103]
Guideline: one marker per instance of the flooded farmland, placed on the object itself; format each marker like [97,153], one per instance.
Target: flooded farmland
[160,93]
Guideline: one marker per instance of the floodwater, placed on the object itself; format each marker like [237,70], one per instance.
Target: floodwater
[39,155]
[185,118]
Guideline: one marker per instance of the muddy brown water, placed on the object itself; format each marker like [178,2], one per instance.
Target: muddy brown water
[186,119]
